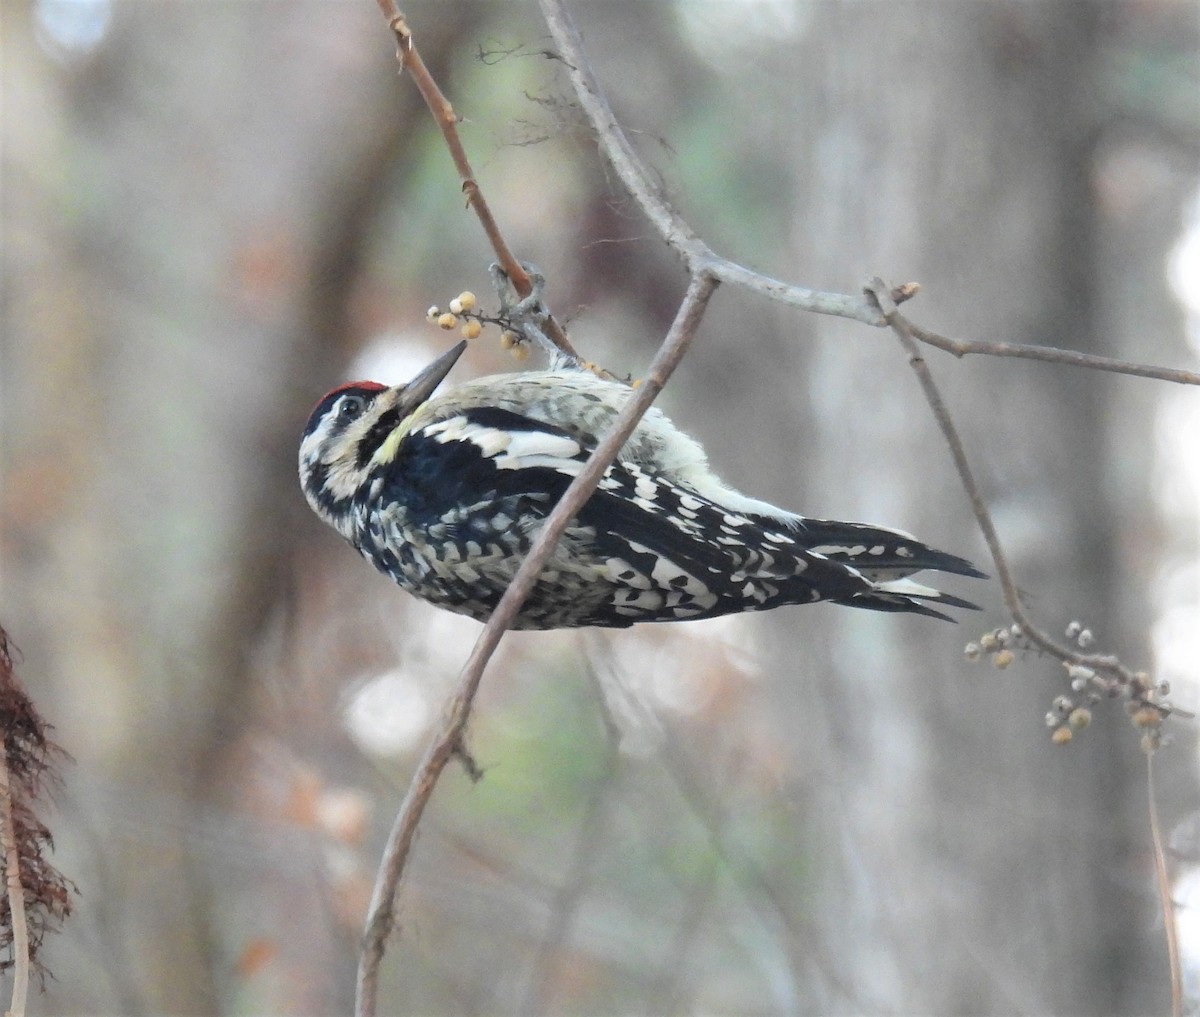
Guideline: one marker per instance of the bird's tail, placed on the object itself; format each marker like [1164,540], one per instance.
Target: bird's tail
[885,558]
[879,553]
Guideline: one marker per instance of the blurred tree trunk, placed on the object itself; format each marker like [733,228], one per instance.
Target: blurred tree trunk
[978,875]
[186,338]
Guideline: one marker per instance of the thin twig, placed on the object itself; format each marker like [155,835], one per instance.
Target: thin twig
[983,517]
[1008,585]
[448,739]
[410,60]
[1052,355]
[16,892]
[1164,894]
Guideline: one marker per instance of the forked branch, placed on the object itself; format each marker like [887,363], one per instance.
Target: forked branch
[1135,685]
[679,235]
[1139,690]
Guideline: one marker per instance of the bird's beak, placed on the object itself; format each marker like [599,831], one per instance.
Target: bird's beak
[422,386]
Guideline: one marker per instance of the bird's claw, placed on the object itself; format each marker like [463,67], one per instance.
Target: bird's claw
[511,303]
[526,315]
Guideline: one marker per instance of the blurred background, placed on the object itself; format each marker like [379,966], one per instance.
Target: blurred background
[214,212]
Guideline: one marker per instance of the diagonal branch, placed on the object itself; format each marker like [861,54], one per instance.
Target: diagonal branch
[983,517]
[669,223]
[876,307]
[448,741]
[1052,355]
[1166,900]
[1117,678]
[1139,690]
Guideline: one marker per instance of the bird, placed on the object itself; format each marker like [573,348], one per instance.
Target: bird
[446,493]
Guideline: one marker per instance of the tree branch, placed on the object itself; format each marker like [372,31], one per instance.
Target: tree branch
[447,120]
[669,223]
[876,306]
[1165,899]
[448,740]
[1052,355]
[1135,684]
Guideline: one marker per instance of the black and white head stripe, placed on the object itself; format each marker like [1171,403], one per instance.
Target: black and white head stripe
[352,400]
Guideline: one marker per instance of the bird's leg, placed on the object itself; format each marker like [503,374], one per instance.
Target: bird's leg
[502,286]
[526,315]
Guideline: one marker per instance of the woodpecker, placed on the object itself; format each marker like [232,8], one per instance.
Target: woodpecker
[446,494]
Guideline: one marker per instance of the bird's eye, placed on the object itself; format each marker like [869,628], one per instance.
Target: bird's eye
[352,407]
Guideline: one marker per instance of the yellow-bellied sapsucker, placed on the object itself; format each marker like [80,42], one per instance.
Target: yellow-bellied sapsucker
[446,495]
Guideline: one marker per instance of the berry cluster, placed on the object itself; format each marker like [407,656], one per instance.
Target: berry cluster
[462,310]
[997,644]
[1092,679]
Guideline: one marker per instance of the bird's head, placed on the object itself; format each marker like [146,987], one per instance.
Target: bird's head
[353,430]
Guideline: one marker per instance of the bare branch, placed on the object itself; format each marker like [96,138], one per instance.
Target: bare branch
[1134,684]
[877,298]
[670,225]
[1052,355]
[1166,901]
[443,113]
[877,306]
[899,325]
[448,740]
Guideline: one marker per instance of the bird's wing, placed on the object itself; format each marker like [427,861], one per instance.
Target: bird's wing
[477,456]
[666,551]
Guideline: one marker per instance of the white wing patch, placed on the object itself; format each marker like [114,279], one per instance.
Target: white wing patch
[490,440]
[644,487]
[511,450]
[537,445]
